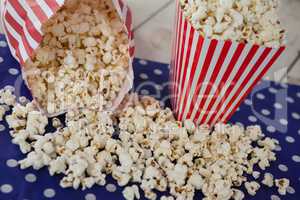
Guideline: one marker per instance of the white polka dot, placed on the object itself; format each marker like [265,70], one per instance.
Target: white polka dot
[9,87]
[298,94]
[296,158]
[144,92]
[31,178]
[275,197]
[295,115]
[283,122]
[2,127]
[278,148]
[144,76]
[299,132]
[1,60]
[290,100]
[169,66]
[260,96]
[6,188]
[162,104]
[289,139]
[158,72]
[248,102]
[158,87]
[271,129]
[49,193]
[284,85]
[3,44]
[265,112]
[252,119]
[90,196]
[290,190]
[278,105]
[143,62]
[272,90]
[283,168]
[11,163]
[13,71]
[111,187]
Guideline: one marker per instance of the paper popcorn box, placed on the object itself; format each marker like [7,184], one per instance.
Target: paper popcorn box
[210,77]
[22,23]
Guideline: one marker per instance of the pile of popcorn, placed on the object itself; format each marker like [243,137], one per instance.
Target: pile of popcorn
[83,59]
[142,143]
[248,21]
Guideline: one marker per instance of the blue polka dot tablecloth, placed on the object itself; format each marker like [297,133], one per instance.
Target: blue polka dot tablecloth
[276,107]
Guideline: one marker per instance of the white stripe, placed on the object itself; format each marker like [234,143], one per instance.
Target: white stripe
[214,93]
[23,52]
[175,41]
[202,57]
[117,6]
[231,76]
[124,13]
[44,6]
[251,81]
[60,2]
[16,16]
[208,76]
[188,74]
[31,15]
[237,85]
[183,63]
[181,49]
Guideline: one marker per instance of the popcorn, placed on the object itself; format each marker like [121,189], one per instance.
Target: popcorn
[7,97]
[282,185]
[2,112]
[268,180]
[252,187]
[83,59]
[151,149]
[131,193]
[254,22]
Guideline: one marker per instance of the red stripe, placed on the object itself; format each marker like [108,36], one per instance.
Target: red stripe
[194,67]
[225,77]
[238,75]
[174,54]
[213,78]
[176,62]
[182,45]
[121,4]
[14,44]
[37,10]
[204,70]
[186,65]
[259,77]
[53,5]
[131,51]
[246,79]
[20,31]
[30,27]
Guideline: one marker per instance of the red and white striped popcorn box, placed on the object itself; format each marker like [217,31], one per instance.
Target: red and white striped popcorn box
[22,22]
[211,78]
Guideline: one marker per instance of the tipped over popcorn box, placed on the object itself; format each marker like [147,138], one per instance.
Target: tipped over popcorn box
[74,53]
[222,49]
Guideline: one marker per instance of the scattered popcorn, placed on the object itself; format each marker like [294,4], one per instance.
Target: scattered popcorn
[131,192]
[80,63]
[282,185]
[252,187]
[249,21]
[268,180]
[144,146]
[2,112]
[256,174]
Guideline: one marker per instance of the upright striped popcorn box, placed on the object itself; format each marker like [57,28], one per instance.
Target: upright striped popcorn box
[24,24]
[211,77]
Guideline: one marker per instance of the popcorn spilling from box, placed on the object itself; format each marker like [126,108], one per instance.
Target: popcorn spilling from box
[248,21]
[143,143]
[83,60]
